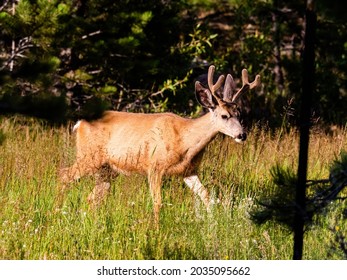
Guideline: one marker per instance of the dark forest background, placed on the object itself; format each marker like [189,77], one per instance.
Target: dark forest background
[72,59]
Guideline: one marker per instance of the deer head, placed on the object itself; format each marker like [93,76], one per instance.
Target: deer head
[222,104]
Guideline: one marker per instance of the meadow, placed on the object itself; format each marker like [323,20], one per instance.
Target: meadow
[35,223]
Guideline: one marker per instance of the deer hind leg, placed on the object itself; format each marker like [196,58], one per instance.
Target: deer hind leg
[85,165]
[79,169]
[98,194]
[155,181]
[70,174]
[102,186]
[196,186]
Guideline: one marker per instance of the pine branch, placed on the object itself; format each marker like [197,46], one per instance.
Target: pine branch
[22,46]
[4,5]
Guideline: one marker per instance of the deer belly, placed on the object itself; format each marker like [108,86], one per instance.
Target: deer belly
[127,160]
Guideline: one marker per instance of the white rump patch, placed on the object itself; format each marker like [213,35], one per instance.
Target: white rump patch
[76,126]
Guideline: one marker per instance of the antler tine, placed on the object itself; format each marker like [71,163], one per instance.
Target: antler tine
[217,85]
[255,83]
[244,74]
[246,85]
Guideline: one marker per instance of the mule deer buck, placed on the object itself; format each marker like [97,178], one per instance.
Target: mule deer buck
[158,144]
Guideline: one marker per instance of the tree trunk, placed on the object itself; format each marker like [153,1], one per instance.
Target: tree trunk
[305,112]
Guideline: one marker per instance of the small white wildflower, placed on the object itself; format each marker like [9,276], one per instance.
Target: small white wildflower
[28,223]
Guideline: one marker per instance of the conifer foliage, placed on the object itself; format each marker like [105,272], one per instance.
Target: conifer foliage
[76,58]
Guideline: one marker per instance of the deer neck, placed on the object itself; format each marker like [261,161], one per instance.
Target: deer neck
[199,133]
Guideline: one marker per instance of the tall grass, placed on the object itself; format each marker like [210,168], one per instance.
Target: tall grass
[35,224]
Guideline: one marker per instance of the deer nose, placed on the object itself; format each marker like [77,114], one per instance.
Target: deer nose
[242,136]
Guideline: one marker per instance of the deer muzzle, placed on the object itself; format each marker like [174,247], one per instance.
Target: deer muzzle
[241,137]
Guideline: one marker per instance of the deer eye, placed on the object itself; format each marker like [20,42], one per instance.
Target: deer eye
[225,117]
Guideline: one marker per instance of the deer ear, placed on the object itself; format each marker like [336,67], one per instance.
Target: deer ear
[204,96]
[229,88]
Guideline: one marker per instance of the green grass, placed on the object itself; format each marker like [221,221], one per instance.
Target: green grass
[35,224]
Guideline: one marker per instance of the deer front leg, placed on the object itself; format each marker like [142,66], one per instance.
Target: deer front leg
[196,186]
[155,181]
